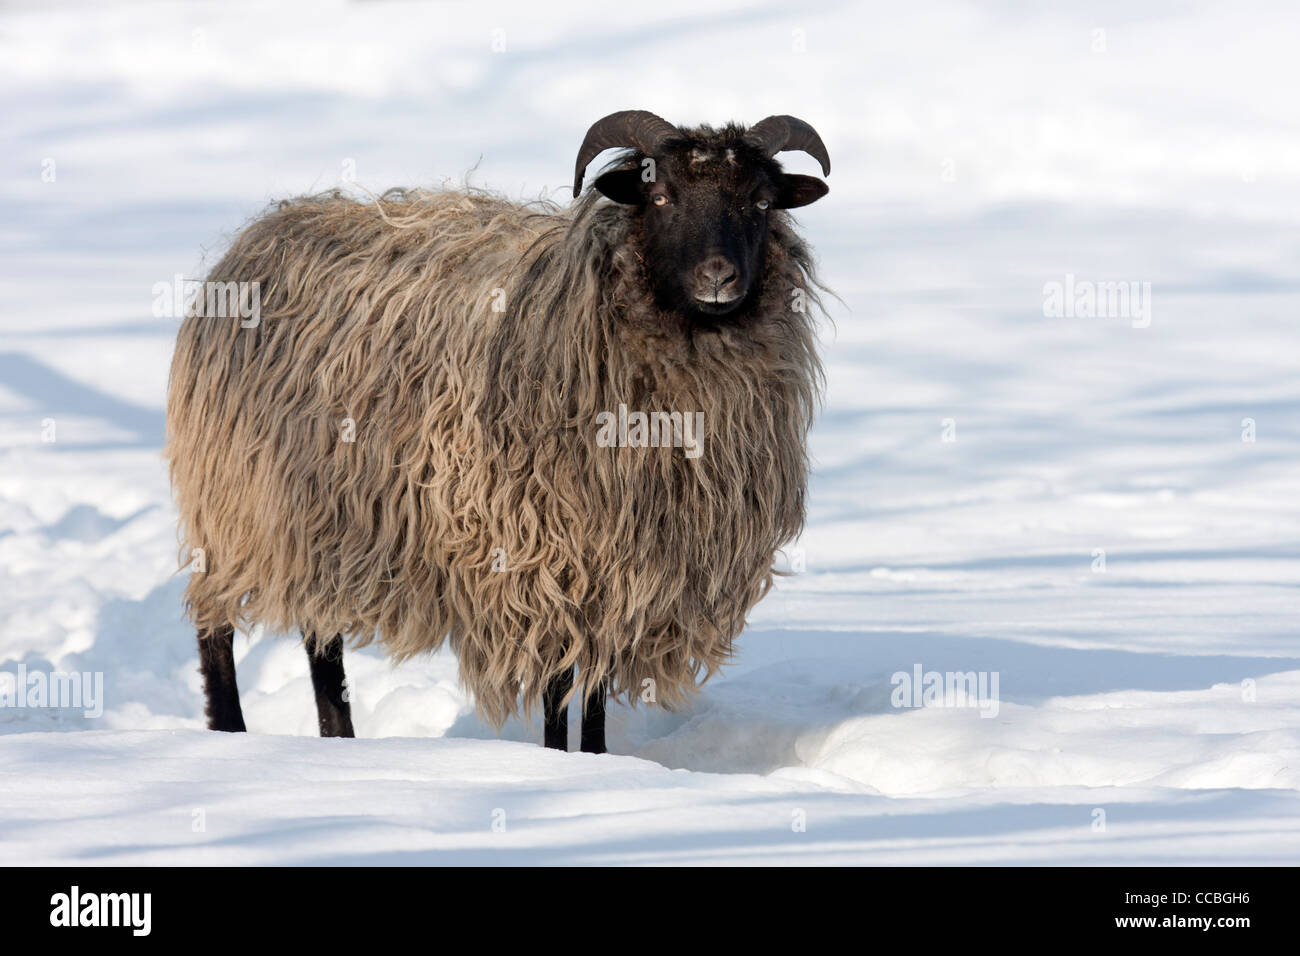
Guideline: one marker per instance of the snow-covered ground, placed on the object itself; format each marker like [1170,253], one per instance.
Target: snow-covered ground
[1100,514]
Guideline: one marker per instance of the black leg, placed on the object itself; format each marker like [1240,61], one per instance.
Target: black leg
[332,707]
[217,665]
[557,716]
[593,721]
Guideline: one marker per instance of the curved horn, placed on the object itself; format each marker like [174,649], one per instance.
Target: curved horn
[638,128]
[788,132]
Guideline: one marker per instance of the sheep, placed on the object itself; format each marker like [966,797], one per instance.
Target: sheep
[435,430]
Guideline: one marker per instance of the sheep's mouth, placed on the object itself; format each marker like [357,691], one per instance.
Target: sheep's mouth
[715,304]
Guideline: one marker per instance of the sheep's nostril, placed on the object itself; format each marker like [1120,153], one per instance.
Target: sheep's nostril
[717,272]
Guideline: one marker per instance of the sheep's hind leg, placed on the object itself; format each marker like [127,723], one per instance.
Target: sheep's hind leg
[593,721]
[217,665]
[557,715]
[332,708]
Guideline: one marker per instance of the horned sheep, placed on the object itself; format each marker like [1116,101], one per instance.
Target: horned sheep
[439,429]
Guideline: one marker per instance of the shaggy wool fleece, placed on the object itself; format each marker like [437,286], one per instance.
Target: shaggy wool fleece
[404,448]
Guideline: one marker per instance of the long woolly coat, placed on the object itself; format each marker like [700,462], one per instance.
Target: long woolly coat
[404,447]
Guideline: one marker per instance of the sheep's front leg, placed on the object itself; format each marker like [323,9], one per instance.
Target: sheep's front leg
[333,711]
[217,665]
[593,721]
[556,714]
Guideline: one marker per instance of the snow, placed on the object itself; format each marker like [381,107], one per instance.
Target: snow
[1098,537]
[201,798]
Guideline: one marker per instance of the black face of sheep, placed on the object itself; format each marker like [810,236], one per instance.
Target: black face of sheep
[704,197]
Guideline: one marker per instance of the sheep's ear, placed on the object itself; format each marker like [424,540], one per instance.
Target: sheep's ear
[622,185]
[799,191]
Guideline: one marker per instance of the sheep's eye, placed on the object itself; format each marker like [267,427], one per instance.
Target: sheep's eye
[763,204]
[660,200]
